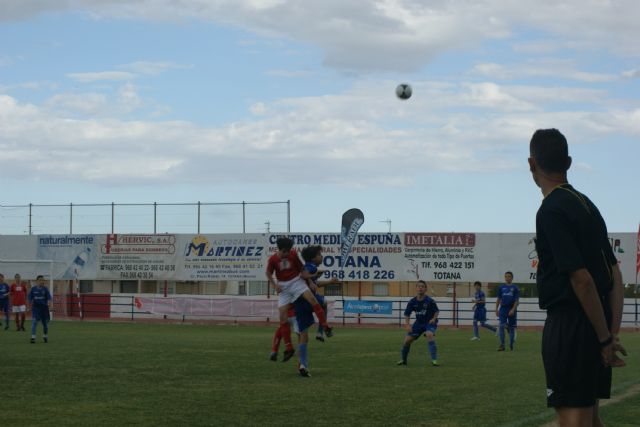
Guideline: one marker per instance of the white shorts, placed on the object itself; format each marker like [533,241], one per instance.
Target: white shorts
[19,308]
[291,290]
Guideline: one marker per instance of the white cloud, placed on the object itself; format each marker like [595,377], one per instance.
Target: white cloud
[153,68]
[401,35]
[364,136]
[547,68]
[631,74]
[101,76]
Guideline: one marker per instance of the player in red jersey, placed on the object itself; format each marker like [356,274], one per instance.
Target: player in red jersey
[287,267]
[19,301]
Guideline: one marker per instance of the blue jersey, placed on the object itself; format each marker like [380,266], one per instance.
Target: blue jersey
[425,309]
[508,295]
[4,290]
[312,269]
[479,297]
[39,296]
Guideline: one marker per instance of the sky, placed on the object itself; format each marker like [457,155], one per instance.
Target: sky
[281,100]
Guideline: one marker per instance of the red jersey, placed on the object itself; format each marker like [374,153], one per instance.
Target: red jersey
[18,294]
[286,268]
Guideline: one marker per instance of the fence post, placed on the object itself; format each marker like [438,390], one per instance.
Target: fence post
[30,215]
[113,213]
[133,303]
[244,217]
[70,218]
[155,217]
[198,217]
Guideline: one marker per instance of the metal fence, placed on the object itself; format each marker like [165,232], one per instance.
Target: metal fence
[452,313]
[104,218]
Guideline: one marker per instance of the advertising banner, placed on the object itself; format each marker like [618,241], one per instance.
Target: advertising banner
[368,307]
[374,257]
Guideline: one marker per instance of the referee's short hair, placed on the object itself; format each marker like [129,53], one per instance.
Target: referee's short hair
[422,282]
[549,148]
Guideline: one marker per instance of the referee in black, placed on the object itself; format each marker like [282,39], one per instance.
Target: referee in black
[580,286]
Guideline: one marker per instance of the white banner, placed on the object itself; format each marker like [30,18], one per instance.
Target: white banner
[377,257]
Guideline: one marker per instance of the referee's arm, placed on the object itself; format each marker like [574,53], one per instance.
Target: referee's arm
[585,289]
[616,298]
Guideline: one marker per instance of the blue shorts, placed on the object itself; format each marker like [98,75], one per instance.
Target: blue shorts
[40,313]
[304,314]
[4,305]
[480,314]
[505,319]
[418,329]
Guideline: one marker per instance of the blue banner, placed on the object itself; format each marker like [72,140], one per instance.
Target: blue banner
[369,307]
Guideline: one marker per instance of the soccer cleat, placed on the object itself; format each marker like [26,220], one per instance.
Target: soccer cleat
[501,348]
[6,327]
[288,354]
[435,363]
[320,338]
[32,340]
[402,363]
[304,372]
[328,331]
[475,338]
[273,356]
[511,348]
[45,339]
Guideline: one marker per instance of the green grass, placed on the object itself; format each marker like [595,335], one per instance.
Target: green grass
[170,374]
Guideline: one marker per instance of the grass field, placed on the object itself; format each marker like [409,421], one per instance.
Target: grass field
[119,374]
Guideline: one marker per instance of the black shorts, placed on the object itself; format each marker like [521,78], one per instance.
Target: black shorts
[573,366]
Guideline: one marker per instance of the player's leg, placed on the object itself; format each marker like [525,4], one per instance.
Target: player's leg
[502,319]
[45,328]
[477,317]
[320,331]
[597,421]
[319,312]
[414,334]
[302,351]
[285,328]
[489,327]
[16,313]
[483,322]
[275,344]
[575,417]
[5,309]
[512,323]
[34,324]
[23,316]
[431,342]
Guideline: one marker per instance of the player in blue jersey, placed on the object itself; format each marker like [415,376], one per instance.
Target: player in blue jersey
[39,298]
[4,300]
[312,255]
[506,310]
[426,322]
[480,312]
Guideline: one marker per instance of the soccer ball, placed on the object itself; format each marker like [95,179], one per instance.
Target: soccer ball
[403,91]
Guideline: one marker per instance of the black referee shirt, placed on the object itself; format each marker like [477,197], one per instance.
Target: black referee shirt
[570,235]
